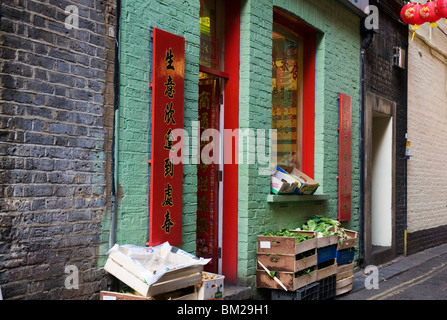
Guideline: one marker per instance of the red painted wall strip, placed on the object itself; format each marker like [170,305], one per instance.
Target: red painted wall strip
[309,105]
[231,121]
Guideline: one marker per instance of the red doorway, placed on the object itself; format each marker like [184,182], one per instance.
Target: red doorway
[207,244]
[224,68]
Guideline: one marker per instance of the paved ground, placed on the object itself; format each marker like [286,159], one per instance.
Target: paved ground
[422,276]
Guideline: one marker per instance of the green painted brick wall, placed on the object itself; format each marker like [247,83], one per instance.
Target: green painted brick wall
[337,71]
[133,138]
[338,55]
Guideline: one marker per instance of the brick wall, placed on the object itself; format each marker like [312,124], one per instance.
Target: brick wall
[383,79]
[427,122]
[338,53]
[339,45]
[133,145]
[56,111]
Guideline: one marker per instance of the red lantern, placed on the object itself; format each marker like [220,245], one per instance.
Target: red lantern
[412,16]
[428,14]
[441,8]
[406,15]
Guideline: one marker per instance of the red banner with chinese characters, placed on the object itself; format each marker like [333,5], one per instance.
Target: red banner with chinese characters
[344,158]
[168,77]
[207,175]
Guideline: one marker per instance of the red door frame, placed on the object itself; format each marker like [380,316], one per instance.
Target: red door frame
[231,121]
[309,55]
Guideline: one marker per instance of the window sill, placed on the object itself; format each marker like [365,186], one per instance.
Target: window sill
[276,198]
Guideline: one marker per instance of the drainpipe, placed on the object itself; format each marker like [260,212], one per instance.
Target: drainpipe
[114,162]
[406,160]
[368,37]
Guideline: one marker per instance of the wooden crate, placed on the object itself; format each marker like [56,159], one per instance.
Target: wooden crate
[285,245]
[345,278]
[287,262]
[188,293]
[345,271]
[288,279]
[348,243]
[344,285]
[325,270]
[120,266]
[110,295]
[327,241]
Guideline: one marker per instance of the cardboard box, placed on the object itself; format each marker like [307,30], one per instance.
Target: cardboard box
[282,183]
[211,289]
[305,184]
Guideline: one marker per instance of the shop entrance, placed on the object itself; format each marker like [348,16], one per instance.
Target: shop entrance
[380,141]
[218,110]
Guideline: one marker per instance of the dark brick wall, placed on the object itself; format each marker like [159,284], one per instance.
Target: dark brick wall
[424,239]
[56,111]
[390,82]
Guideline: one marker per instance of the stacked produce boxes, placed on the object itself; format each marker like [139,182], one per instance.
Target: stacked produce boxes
[345,262]
[303,264]
[290,259]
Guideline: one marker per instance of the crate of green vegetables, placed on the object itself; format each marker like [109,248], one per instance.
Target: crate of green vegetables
[290,280]
[330,231]
[288,262]
[287,241]
[287,250]
[347,239]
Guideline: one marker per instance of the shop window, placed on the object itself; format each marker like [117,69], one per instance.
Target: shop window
[287,69]
[293,93]
[212,32]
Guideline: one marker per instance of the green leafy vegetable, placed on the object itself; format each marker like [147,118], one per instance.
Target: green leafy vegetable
[323,226]
[304,272]
[290,233]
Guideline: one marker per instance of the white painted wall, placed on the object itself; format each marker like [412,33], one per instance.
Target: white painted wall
[427,129]
[381,211]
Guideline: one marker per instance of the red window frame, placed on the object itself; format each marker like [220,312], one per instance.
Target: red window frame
[308,34]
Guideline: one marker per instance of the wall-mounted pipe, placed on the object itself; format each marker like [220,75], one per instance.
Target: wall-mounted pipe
[367,39]
[114,162]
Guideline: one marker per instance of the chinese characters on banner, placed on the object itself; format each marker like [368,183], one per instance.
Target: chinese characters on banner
[207,176]
[344,161]
[168,76]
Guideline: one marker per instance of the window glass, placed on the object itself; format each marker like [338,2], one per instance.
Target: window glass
[287,69]
[212,33]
